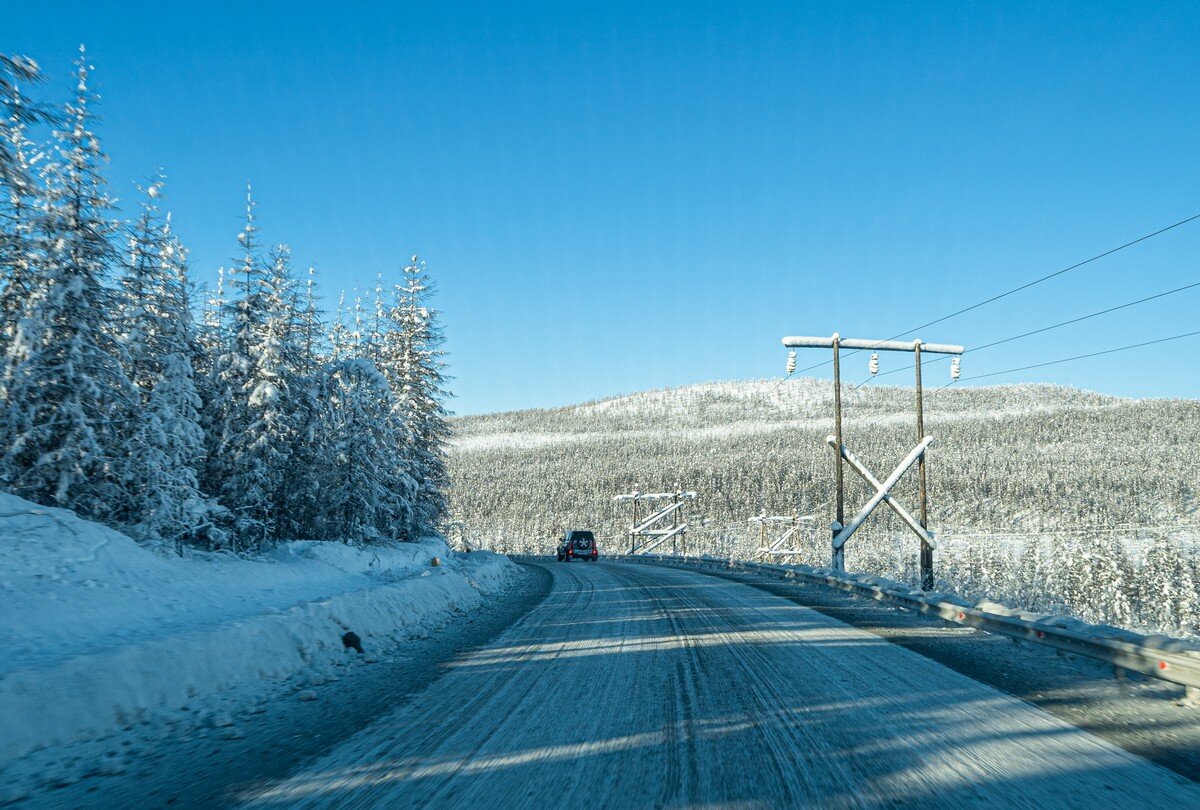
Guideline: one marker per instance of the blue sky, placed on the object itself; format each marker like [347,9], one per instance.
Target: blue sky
[616,197]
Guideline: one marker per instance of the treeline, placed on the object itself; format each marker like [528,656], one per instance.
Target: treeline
[253,423]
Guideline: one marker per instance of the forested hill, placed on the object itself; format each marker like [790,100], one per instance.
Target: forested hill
[1007,459]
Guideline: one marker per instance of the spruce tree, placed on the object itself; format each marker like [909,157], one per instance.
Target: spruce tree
[237,470]
[15,112]
[411,359]
[146,318]
[68,397]
[366,493]
[170,442]
[281,397]
[20,243]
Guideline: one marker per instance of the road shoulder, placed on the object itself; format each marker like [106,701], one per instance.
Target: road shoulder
[1141,715]
[233,750]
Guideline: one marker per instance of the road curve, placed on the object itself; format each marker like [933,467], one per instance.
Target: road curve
[637,686]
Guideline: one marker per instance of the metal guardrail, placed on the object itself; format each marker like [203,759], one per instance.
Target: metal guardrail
[1159,657]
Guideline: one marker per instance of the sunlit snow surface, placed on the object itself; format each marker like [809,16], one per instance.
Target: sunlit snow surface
[634,686]
[99,633]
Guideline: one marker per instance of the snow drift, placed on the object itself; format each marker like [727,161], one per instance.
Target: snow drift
[100,634]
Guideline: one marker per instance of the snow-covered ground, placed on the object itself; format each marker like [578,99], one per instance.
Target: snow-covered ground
[636,686]
[100,634]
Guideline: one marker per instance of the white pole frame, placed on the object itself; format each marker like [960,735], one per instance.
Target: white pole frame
[774,548]
[654,537]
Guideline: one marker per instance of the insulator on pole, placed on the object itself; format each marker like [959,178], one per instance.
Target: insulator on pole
[874,364]
[955,368]
[791,363]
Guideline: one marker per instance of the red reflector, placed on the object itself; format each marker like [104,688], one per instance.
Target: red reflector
[962,616]
[1162,664]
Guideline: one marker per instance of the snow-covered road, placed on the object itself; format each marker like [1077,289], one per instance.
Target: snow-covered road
[640,686]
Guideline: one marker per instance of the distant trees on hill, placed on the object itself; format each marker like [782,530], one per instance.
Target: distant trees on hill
[1053,498]
[243,427]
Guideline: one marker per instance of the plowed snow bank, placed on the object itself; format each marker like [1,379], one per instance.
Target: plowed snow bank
[99,633]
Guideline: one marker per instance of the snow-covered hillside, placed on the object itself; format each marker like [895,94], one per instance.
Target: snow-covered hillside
[99,633]
[1056,499]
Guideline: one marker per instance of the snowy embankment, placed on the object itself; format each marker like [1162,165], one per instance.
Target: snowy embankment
[100,634]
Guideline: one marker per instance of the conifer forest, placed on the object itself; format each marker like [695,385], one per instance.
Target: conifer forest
[221,408]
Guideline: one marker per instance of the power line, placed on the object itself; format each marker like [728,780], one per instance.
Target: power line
[1048,276]
[1084,356]
[1026,285]
[1047,328]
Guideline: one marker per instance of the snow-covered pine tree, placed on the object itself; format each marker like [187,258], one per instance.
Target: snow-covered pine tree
[236,470]
[210,345]
[411,359]
[366,493]
[68,396]
[20,244]
[312,328]
[145,314]
[259,392]
[339,340]
[1168,595]
[15,112]
[169,442]
[283,393]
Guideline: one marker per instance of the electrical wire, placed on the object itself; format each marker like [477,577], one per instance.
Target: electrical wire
[1021,287]
[1039,331]
[1085,356]
[1048,276]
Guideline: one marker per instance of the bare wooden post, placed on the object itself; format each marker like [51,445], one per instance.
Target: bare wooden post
[633,522]
[839,553]
[762,540]
[675,522]
[926,550]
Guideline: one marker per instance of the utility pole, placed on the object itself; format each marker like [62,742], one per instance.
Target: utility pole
[839,553]
[842,530]
[926,549]
[653,529]
[775,548]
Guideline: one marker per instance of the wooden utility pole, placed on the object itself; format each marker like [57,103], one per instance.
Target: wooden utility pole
[842,530]
[926,549]
[839,553]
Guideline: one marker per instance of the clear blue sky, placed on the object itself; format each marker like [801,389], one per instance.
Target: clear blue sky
[616,197]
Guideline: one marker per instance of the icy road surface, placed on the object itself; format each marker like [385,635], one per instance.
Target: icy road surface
[637,686]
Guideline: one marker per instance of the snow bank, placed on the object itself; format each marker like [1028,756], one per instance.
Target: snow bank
[100,634]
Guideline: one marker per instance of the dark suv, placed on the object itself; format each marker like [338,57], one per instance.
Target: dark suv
[578,545]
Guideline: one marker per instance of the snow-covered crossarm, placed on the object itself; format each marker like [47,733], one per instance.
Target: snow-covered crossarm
[644,526]
[806,342]
[662,536]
